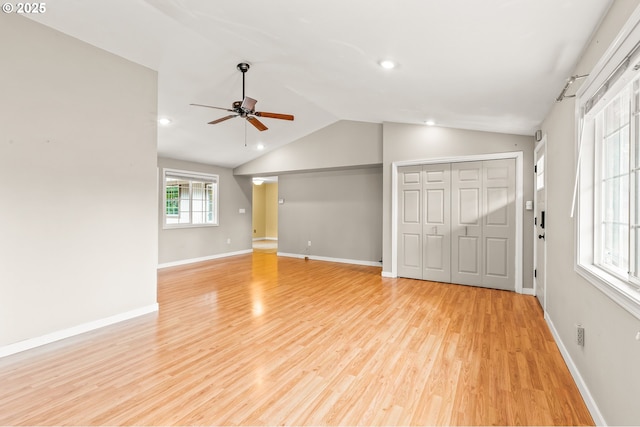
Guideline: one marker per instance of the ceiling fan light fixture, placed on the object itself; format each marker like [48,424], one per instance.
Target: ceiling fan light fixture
[387,64]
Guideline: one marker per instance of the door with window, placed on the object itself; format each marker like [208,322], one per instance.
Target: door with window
[540,256]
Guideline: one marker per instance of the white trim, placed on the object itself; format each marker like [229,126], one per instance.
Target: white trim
[517,155]
[329,259]
[204,258]
[28,344]
[575,373]
[388,274]
[528,291]
[255,239]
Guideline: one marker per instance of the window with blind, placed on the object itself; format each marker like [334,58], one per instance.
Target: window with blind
[608,174]
[190,199]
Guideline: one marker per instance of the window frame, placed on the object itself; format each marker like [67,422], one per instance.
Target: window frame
[611,75]
[190,176]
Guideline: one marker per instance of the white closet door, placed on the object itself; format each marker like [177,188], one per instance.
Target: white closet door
[499,224]
[457,223]
[466,223]
[410,222]
[436,259]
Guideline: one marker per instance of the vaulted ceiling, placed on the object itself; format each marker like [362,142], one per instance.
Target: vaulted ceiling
[493,65]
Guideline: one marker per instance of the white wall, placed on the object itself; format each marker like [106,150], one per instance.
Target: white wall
[402,142]
[178,245]
[78,172]
[342,144]
[608,367]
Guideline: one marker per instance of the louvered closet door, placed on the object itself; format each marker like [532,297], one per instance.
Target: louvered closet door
[410,222]
[466,223]
[436,258]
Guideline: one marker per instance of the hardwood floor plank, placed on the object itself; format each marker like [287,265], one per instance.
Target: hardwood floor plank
[261,340]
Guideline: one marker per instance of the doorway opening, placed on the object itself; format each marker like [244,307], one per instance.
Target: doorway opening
[265,214]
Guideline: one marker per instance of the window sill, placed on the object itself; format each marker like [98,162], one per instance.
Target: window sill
[625,295]
[179,226]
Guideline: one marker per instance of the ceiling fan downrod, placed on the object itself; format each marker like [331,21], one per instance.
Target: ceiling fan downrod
[243,67]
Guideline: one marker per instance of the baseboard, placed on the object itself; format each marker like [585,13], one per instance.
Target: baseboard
[257,239]
[329,259]
[582,386]
[10,349]
[205,258]
[389,274]
[528,291]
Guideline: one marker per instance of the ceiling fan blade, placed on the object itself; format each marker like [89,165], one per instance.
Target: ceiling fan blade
[223,119]
[274,115]
[257,123]
[209,106]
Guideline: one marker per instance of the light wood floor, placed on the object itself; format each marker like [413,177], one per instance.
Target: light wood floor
[256,339]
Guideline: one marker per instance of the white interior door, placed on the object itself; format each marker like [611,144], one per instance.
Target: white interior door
[456,223]
[466,223]
[498,227]
[436,255]
[540,219]
[410,222]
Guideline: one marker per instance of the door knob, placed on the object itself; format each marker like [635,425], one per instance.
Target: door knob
[541,236]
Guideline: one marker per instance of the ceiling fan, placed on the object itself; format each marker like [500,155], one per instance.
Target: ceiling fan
[245,108]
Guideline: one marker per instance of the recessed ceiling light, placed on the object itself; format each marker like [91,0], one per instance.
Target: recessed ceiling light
[164,121]
[260,146]
[430,123]
[258,181]
[387,64]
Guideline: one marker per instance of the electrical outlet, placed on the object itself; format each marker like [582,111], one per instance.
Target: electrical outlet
[580,335]
[309,243]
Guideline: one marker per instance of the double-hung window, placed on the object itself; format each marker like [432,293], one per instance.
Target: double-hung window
[190,199]
[608,175]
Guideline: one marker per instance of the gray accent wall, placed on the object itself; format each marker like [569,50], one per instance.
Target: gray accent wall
[340,212]
[184,244]
[405,142]
[331,182]
[609,363]
[78,168]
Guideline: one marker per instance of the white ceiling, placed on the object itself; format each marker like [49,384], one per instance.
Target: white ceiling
[494,65]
